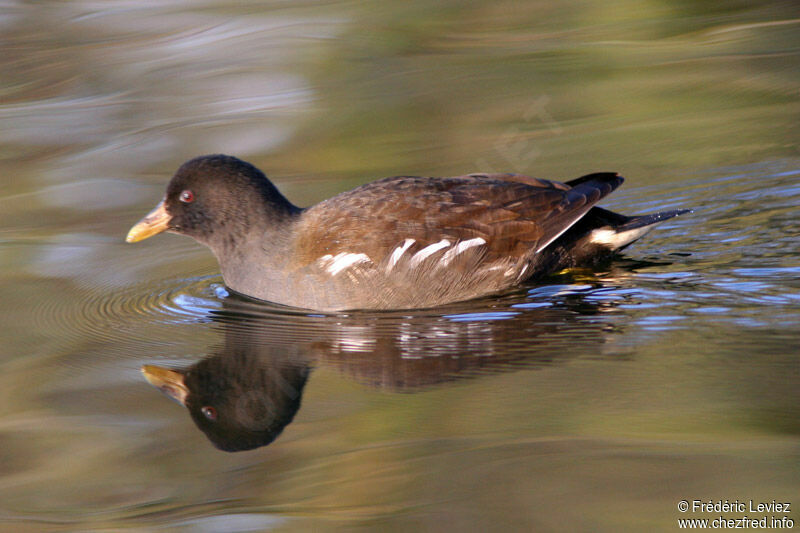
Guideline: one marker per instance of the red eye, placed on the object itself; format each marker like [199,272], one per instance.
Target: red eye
[187,196]
[209,412]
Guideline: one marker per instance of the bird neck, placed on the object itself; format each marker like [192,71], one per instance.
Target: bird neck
[254,260]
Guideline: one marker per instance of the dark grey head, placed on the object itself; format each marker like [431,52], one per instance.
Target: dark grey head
[215,199]
[239,399]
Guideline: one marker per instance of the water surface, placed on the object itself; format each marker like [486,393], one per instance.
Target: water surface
[593,400]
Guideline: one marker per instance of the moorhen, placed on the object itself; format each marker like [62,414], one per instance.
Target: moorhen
[398,243]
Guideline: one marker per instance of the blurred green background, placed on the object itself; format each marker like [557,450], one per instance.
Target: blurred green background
[676,381]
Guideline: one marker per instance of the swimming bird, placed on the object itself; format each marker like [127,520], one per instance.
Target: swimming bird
[403,242]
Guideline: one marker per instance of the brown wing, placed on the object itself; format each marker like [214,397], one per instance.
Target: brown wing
[515,215]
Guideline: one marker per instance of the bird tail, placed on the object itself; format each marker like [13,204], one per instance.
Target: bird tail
[621,231]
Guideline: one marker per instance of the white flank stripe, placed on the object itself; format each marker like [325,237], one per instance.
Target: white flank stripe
[611,238]
[426,252]
[335,264]
[450,254]
[357,338]
[398,253]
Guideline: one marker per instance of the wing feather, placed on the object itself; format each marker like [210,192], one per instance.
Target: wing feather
[516,215]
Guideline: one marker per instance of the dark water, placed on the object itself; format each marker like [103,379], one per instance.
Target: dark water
[596,400]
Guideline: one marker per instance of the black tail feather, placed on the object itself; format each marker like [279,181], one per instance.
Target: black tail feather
[597,176]
[646,220]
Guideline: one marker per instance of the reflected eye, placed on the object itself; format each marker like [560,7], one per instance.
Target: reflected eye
[186,196]
[209,412]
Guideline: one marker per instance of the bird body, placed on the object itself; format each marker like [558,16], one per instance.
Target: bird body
[396,243]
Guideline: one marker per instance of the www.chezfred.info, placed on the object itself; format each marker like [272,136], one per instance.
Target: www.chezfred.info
[736,514]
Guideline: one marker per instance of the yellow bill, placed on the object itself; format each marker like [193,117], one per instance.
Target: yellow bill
[153,223]
[170,382]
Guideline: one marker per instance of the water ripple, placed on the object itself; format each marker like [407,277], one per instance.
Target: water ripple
[110,316]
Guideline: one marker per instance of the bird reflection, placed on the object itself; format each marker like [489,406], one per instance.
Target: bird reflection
[244,394]
[241,398]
